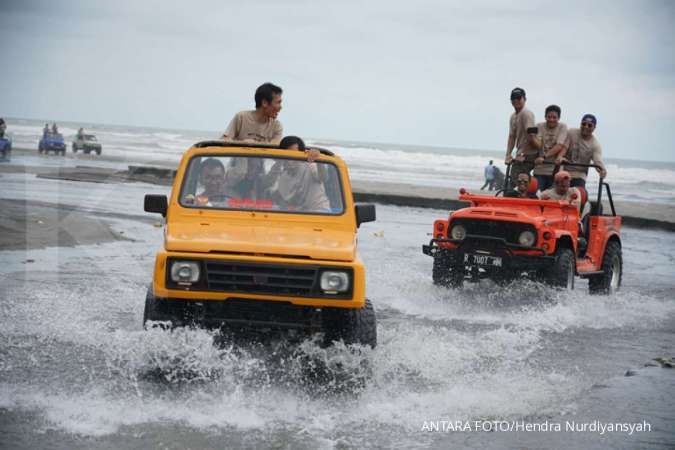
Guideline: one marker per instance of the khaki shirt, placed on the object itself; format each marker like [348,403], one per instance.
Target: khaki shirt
[550,137]
[245,127]
[551,194]
[582,151]
[518,125]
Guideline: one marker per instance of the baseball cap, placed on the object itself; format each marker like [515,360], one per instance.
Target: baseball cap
[517,93]
[562,175]
[589,118]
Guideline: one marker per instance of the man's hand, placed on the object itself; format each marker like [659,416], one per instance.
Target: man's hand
[560,159]
[539,160]
[508,159]
[312,154]
[602,172]
[520,158]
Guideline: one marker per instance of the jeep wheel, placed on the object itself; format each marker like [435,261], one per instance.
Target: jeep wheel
[443,275]
[98,151]
[74,148]
[352,326]
[612,266]
[150,312]
[561,274]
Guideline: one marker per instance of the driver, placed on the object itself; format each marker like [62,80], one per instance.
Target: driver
[522,189]
[212,177]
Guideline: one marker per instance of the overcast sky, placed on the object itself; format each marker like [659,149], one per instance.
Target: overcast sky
[428,72]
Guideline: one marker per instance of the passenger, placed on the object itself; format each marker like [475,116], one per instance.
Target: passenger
[80,133]
[522,189]
[261,124]
[561,190]
[45,130]
[584,148]
[489,173]
[55,129]
[3,126]
[552,142]
[521,125]
[296,183]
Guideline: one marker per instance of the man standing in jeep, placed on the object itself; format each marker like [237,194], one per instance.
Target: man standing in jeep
[522,136]
[584,148]
[261,124]
[552,145]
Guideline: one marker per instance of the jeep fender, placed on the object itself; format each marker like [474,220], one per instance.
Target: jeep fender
[564,239]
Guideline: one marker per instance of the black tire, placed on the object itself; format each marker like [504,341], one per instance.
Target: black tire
[352,326]
[561,273]
[443,275]
[612,266]
[98,152]
[74,148]
[150,312]
[63,152]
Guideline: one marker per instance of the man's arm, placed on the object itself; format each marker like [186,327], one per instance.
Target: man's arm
[232,130]
[597,159]
[509,148]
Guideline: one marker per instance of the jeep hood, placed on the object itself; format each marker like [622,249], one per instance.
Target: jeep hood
[268,239]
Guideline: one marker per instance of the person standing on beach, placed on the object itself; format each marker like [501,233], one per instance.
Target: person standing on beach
[552,145]
[522,136]
[584,148]
[261,124]
[489,173]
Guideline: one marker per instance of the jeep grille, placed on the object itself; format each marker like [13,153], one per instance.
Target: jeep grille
[509,231]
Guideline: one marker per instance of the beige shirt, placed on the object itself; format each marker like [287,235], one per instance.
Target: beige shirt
[550,137]
[518,125]
[300,184]
[582,151]
[245,127]
[551,194]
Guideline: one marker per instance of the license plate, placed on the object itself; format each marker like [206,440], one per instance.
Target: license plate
[482,260]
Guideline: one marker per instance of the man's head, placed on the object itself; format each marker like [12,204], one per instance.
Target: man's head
[523,183]
[518,98]
[212,176]
[268,100]
[552,115]
[490,162]
[588,124]
[561,181]
[292,143]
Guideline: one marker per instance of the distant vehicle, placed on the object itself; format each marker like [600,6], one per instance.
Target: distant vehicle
[503,238]
[52,142]
[5,148]
[87,143]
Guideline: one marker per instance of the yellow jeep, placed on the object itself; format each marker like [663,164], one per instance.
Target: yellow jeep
[258,238]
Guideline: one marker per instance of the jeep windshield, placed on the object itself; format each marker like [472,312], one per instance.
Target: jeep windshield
[262,183]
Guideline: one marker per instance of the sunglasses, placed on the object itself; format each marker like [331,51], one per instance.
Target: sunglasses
[523,181]
[587,125]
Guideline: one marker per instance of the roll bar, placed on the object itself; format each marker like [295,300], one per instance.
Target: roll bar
[556,169]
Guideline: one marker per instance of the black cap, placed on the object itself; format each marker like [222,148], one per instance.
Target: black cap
[517,93]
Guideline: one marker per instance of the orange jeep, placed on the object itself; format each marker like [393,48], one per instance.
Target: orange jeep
[501,238]
[259,238]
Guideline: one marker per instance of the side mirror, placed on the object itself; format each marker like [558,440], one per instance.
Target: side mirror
[365,212]
[156,204]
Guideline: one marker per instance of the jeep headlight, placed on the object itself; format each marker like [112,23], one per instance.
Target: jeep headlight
[334,281]
[526,238]
[458,232]
[184,272]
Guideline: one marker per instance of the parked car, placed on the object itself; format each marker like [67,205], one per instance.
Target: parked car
[246,248]
[52,142]
[86,143]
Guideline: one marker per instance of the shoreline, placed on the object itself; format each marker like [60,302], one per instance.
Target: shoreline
[634,214]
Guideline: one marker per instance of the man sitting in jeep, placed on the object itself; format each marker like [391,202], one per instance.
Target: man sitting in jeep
[522,189]
[561,190]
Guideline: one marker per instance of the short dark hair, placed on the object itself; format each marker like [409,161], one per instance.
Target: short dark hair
[525,173]
[212,163]
[266,91]
[554,108]
[287,141]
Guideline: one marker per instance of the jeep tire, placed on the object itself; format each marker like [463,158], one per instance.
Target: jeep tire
[612,267]
[561,273]
[352,326]
[443,274]
[150,312]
